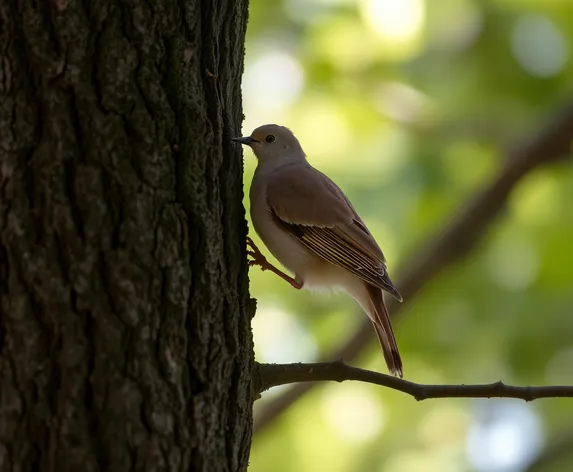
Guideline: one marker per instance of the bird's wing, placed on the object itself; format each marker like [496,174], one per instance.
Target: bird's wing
[312,208]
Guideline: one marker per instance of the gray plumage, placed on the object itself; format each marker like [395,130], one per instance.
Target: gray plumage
[309,225]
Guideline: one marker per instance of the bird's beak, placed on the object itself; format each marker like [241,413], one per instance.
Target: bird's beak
[245,140]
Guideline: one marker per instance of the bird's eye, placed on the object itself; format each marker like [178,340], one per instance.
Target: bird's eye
[270,138]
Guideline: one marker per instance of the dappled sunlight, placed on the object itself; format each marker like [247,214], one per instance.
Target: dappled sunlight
[397,23]
[354,412]
[539,46]
[280,338]
[504,435]
[272,82]
[323,148]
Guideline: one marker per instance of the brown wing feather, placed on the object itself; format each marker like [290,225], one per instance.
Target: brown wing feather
[311,207]
[331,246]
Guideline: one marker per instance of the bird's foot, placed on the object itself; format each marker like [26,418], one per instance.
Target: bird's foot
[259,260]
[257,256]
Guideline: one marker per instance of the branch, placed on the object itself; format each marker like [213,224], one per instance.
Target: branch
[272,375]
[452,243]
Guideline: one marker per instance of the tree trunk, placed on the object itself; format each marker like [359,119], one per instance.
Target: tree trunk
[125,338]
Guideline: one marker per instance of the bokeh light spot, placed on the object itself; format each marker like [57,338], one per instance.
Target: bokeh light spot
[394,20]
[539,46]
[504,436]
[272,82]
[355,413]
[279,337]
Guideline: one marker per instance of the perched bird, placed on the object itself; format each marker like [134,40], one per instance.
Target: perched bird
[309,225]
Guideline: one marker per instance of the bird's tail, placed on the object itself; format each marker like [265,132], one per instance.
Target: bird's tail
[383,327]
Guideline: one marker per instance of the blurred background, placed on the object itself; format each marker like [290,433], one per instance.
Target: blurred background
[409,106]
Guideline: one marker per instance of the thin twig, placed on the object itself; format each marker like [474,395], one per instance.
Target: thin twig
[452,243]
[272,375]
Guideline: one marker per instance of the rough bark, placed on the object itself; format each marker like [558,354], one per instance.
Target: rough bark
[124,325]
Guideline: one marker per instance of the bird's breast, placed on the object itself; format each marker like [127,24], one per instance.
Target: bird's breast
[284,246]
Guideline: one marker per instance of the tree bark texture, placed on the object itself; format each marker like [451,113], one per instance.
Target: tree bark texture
[125,340]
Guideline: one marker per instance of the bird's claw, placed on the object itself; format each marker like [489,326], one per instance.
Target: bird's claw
[261,264]
[259,260]
[257,255]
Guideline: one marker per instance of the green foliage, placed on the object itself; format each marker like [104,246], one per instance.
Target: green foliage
[409,115]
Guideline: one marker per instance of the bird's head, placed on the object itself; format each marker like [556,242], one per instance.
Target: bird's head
[273,144]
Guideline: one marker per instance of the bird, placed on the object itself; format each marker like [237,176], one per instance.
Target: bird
[309,225]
